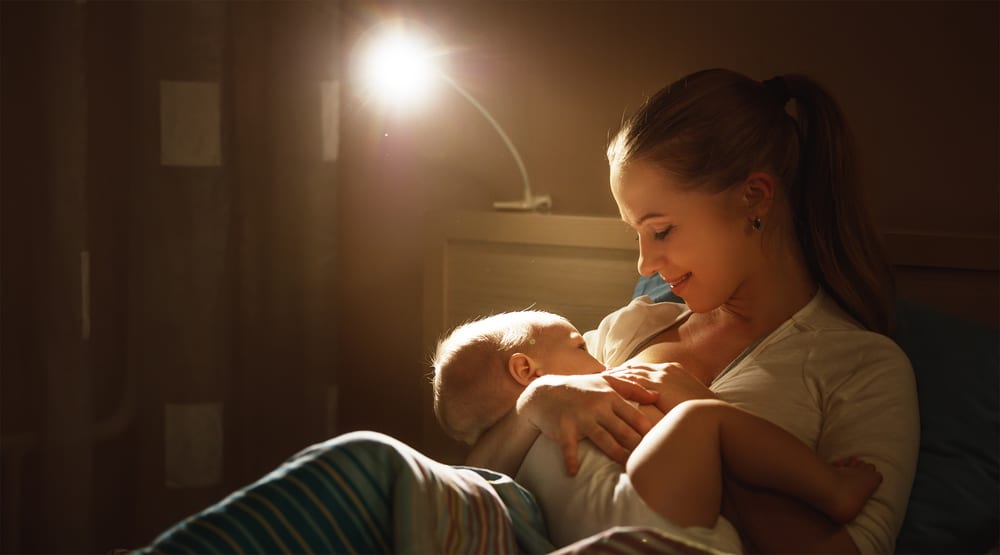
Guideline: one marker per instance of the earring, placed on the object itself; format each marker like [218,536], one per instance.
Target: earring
[756,224]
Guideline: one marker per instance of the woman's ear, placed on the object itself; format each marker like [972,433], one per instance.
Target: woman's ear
[758,193]
[523,368]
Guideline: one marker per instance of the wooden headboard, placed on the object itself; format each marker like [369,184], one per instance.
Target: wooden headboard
[956,273]
[583,267]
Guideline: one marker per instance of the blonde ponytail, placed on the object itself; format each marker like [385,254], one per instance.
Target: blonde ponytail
[841,245]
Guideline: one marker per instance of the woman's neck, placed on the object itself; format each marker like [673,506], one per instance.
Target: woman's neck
[780,288]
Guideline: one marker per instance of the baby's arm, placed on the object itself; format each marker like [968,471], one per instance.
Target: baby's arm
[868,409]
[752,510]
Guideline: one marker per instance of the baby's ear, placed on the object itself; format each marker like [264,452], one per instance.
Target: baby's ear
[523,368]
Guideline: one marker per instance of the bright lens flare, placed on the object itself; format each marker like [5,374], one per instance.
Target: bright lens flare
[400,68]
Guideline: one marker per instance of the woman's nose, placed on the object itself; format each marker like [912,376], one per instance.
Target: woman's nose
[648,259]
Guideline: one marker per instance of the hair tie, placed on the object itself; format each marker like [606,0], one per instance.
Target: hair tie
[777,88]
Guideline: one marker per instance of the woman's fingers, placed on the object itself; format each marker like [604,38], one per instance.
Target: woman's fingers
[634,424]
[631,390]
[607,442]
[569,443]
[569,408]
[673,383]
[616,435]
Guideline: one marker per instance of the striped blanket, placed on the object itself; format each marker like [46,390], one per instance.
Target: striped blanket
[365,492]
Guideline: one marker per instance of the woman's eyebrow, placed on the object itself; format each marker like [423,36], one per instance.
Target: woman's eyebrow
[646,217]
[649,216]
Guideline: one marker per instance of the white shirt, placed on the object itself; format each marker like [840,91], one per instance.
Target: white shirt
[840,389]
[599,497]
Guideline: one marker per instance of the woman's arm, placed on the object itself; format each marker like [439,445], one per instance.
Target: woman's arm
[872,413]
[568,409]
[503,446]
[769,522]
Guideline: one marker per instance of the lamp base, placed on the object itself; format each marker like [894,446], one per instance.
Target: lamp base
[529,204]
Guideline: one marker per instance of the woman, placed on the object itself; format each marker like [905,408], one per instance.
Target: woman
[755,218]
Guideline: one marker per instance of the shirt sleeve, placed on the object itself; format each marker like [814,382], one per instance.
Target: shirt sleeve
[871,412]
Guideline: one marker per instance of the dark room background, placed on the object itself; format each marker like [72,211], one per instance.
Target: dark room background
[212,245]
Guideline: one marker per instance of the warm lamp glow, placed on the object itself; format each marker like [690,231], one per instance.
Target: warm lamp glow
[400,68]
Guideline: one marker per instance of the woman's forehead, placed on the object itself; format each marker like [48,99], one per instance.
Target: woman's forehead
[645,192]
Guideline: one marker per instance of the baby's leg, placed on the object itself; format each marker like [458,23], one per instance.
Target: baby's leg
[677,468]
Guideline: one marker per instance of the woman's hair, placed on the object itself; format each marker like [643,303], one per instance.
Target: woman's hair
[712,129]
[470,370]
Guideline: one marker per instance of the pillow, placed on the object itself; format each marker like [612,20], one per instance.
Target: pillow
[655,288]
[956,495]
[955,503]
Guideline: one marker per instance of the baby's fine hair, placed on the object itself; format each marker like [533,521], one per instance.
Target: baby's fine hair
[470,367]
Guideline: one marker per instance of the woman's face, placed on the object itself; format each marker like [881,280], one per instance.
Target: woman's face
[698,242]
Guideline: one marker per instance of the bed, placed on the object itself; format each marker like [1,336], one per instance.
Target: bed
[366,492]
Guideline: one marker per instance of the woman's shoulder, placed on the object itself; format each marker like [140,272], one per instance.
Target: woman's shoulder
[827,336]
[823,317]
[823,313]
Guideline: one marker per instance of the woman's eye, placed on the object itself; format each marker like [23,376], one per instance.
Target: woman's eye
[660,235]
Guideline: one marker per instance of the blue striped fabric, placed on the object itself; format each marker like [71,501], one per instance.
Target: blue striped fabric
[365,492]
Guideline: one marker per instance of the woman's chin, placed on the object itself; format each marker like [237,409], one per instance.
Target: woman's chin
[700,304]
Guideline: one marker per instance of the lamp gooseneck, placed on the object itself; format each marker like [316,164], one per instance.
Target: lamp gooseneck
[530,201]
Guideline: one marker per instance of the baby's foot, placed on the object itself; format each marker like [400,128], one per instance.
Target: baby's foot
[857,481]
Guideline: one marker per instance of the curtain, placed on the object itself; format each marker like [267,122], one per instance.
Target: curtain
[169,257]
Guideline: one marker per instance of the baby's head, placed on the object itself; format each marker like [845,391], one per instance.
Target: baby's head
[482,366]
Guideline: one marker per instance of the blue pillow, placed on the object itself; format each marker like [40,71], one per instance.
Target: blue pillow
[955,503]
[656,288]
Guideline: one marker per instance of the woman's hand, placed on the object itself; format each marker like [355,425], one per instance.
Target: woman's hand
[570,408]
[673,383]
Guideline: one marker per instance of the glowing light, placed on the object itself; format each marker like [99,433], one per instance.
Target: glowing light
[400,67]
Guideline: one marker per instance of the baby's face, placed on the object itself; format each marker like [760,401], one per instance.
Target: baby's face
[563,351]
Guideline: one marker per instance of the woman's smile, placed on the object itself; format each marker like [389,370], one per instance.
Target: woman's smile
[677,283]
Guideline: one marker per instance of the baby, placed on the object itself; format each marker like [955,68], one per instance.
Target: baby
[672,479]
